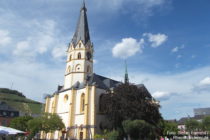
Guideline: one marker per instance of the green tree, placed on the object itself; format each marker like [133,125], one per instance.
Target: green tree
[170,128]
[20,123]
[138,129]
[108,135]
[206,123]
[129,102]
[46,123]
[192,125]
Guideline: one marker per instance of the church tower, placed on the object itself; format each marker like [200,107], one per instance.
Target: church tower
[79,54]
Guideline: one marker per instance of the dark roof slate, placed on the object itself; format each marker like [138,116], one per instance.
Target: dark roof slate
[102,82]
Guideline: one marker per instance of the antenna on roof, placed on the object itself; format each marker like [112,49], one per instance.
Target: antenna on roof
[11,86]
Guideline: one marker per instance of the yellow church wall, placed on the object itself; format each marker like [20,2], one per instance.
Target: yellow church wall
[51,104]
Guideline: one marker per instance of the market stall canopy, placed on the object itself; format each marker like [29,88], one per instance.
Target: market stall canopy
[3,132]
[10,131]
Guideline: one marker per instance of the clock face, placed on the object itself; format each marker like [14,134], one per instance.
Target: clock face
[89,56]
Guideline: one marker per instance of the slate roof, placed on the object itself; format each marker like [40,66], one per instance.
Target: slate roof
[93,79]
[102,82]
[82,30]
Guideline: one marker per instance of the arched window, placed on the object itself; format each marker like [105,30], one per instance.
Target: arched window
[70,58]
[79,45]
[69,69]
[101,104]
[66,97]
[88,69]
[79,55]
[82,103]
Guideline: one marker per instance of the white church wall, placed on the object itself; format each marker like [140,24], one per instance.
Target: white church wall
[65,118]
[63,105]
[78,97]
[56,134]
[91,105]
[79,116]
[79,119]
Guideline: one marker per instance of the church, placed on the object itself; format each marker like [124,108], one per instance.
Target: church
[77,101]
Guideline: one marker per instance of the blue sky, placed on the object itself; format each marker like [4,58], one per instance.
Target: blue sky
[165,42]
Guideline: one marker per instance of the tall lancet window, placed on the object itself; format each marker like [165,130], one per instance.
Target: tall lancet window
[70,58]
[82,103]
[79,55]
[88,69]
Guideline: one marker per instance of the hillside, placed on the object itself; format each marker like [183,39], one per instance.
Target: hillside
[18,101]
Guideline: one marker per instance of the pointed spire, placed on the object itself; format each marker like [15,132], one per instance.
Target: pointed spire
[82,30]
[126,80]
[83,6]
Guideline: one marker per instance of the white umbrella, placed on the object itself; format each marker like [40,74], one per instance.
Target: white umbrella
[10,131]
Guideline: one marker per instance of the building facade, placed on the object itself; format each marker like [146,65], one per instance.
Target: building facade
[7,113]
[201,111]
[77,101]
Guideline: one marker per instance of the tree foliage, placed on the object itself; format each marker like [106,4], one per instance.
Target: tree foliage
[128,102]
[138,129]
[20,123]
[46,123]
[9,91]
[108,135]
[192,125]
[169,128]
[206,123]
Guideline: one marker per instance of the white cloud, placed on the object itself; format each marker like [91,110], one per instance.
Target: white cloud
[23,49]
[145,6]
[41,40]
[4,37]
[176,49]
[205,81]
[203,86]
[127,47]
[33,79]
[59,52]
[162,95]
[156,39]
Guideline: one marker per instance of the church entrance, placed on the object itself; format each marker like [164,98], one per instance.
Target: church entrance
[81,136]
